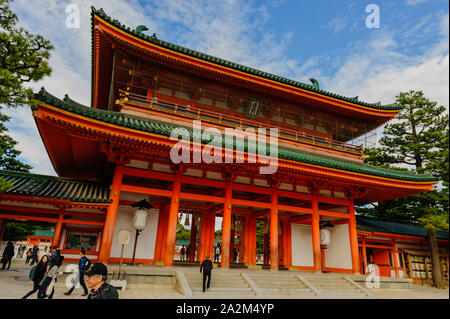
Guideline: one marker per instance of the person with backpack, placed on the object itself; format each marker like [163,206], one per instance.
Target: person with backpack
[29,253]
[34,255]
[8,254]
[216,253]
[36,276]
[83,265]
[207,266]
[47,288]
[182,251]
[56,252]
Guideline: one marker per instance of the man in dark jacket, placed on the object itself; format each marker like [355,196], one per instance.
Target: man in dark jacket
[83,265]
[207,266]
[100,289]
[8,254]
[34,255]
[55,252]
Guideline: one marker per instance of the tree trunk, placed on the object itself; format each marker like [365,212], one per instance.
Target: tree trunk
[436,266]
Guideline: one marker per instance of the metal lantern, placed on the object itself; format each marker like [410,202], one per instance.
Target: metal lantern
[140,220]
[186,220]
[140,216]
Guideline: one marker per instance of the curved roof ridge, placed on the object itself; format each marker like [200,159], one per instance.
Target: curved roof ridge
[154,40]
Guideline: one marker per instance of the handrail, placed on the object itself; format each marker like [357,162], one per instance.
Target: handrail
[198,113]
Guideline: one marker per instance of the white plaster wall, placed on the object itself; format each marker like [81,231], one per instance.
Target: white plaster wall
[338,253]
[302,251]
[145,248]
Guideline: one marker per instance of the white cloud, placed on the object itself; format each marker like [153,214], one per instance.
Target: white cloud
[414,2]
[375,69]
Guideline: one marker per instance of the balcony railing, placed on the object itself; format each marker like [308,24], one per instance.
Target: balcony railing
[232,121]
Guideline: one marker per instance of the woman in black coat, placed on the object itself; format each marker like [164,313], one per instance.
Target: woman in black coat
[8,254]
[39,273]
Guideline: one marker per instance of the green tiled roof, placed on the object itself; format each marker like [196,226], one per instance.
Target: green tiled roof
[384,226]
[163,128]
[42,232]
[27,184]
[313,88]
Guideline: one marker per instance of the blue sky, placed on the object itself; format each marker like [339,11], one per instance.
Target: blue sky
[324,39]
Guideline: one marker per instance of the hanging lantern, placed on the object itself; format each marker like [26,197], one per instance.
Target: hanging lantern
[279,228]
[186,220]
[140,216]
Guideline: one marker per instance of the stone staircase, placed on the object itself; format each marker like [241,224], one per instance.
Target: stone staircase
[222,283]
[280,284]
[333,285]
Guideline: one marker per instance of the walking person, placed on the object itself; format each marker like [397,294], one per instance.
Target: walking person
[235,255]
[207,266]
[8,254]
[47,288]
[216,253]
[83,265]
[29,253]
[37,274]
[182,251]
[34,255]
[96,281]
[187,252]
[55,252]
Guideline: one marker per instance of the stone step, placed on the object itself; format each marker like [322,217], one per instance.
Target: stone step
[200,284]
[333,290]
[271,280]
[223,293]
[287,292]
[216,280]
[299,285]
[212,288]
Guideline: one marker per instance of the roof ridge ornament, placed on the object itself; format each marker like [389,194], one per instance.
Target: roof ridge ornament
[315,83]
[140,28]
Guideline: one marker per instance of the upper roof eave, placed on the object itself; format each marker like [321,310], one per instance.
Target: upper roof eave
[148,125]
[228,64]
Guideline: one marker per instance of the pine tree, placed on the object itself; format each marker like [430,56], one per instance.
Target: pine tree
[417,139]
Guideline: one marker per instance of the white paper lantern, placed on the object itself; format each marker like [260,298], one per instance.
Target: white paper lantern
[140,219]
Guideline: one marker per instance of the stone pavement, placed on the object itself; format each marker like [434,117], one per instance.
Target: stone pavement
[14,284]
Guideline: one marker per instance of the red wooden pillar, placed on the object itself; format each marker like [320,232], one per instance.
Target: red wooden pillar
[287,247]
[266,239]
[226,228]
[281,244]
[211,235]
[202,247]
[172,221]
[364,256]
[317,254]
[110,221]
[2,228]
[252,241]
[241,249]
[274,228]
[161,234]
[353,239]
[232,235]
[245,241]
[394,256]
[193,239]
[58,228]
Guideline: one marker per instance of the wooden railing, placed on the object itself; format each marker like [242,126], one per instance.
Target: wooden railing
[229,120]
